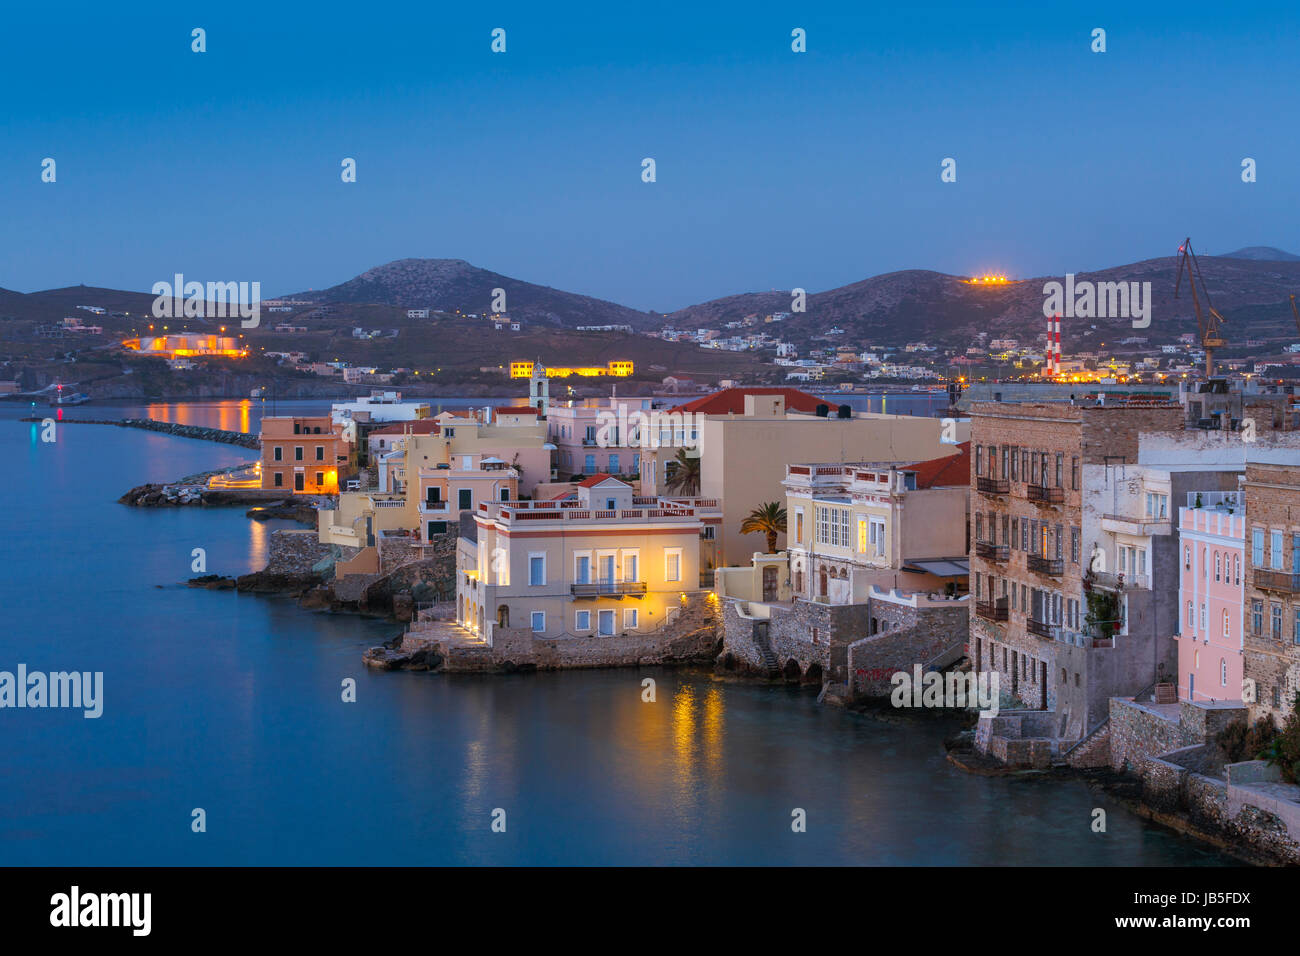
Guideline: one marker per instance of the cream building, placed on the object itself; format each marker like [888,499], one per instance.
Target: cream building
[877,524]
[743,456]
[605,562]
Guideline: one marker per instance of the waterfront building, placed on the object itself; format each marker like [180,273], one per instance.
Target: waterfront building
[303,454]
[603,563]
[852,527]
[1211,547]
[1272,580]
[1055,616]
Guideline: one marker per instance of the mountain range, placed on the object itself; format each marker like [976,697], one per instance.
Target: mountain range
[1250,287]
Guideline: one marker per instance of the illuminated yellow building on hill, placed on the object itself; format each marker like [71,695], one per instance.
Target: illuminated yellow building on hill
[187,346]
[618,369]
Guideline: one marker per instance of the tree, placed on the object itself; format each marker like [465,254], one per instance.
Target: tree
[685,476]
[768,519]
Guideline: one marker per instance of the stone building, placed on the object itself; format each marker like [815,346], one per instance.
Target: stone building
[1057,647]
[1272,632]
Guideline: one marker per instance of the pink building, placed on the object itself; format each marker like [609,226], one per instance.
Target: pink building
[1212,541]
[580,447]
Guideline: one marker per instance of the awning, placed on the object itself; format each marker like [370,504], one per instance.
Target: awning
[948,568]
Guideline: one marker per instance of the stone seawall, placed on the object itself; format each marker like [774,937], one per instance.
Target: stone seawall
[167,428]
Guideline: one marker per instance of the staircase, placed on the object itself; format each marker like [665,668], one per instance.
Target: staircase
[759,634]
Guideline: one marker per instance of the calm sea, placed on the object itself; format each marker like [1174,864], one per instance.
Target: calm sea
[232,704]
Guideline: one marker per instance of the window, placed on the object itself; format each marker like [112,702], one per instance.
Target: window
[582,569]
[878,534]
[632,564]
[1187,557]
[629,618]
[709,533]
[1015,458]
[1225,622]
[277,453]
[1236,569]
[1074,545]
[1257,547]
[1223,672]
[464,499]
[1191,615]
[320,452]
[672,564]
[539,621]
[798,525]
[1202,615]
[1218,563]
[536,570]
[613,464]
[1277,622]
[320,479]
[606,622]
[1275,551]
[589,465]
[1074,472]
[279,478]
[862,534]
[582,620]
[1296,632]
[297,452]
[1257,617]
[1060,459]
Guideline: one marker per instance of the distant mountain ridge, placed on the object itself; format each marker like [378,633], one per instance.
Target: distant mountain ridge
[1262,253]
[447,285]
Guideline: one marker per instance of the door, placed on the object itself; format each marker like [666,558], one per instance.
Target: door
[606,568]
[297,481]
[769,583]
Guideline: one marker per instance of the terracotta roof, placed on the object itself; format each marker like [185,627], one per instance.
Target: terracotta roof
[944,472]
[420,426]
[518,410]
[732,400]
[593,480]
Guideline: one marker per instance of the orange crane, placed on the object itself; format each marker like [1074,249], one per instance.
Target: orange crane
[1206,325]
[1295,312]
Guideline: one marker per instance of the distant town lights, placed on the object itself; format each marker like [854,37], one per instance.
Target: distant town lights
[988,279]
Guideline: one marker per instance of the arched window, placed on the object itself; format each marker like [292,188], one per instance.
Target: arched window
[1187,557]
[1236,569]
[1218,566]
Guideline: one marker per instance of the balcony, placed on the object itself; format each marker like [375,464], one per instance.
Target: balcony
[993,610]
[618,589]
[1043,495]
[992,552]
[434,507]
[1039,628]
[1054,567]
[992,486]
[1285,581]
[1142,527]
[1111,581]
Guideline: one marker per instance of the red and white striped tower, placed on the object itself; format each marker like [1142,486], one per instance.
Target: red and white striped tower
[1056,363]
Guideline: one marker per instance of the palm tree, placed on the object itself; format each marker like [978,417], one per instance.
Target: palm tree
[768,519]
[685,476]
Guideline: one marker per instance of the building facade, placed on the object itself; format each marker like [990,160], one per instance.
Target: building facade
[1272,552]
[303,454]
[1212,537]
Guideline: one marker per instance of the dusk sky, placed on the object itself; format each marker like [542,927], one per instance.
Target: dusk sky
[774,169]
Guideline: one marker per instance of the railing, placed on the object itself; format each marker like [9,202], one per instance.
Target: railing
[991,551]
[1040,628]
[1050,566]
[599,588]
[1285,581]
[1043,495]
[390,503]
[1112,581]
[992,486]
[427,505]
[993,610]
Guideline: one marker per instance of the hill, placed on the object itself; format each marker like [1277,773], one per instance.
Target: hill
[917,304]
[452,285]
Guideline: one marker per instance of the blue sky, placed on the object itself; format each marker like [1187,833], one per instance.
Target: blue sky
[775,169]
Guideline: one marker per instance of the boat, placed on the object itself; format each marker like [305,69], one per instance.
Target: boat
[72,398]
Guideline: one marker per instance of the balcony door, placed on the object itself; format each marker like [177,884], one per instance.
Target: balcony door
[606,567]
[582,572]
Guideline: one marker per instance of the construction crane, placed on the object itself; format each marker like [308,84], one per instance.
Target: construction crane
[1206,325]
[1295,312]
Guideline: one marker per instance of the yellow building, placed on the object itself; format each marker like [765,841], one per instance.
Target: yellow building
[616,369]
[605,562]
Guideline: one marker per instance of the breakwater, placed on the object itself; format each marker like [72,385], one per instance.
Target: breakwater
[201,433]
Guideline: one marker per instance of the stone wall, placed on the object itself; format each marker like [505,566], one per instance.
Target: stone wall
[690,636]
[1140,732]
[915,636]
[295,552]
